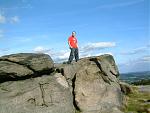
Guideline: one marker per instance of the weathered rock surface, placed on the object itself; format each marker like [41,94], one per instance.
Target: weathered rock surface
[24,65]
[12,70]
[90,85]
[46,94]
[126,88]
[96,88]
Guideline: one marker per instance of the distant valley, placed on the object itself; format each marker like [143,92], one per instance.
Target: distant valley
[135,76]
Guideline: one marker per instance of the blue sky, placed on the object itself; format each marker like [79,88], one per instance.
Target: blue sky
[117,27]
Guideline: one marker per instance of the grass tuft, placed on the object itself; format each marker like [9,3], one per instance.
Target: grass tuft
[138,102]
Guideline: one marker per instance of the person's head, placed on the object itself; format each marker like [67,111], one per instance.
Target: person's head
[73,33]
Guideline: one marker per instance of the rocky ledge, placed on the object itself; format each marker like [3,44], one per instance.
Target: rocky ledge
[32,83]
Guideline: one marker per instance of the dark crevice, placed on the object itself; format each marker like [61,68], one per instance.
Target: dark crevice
[23,64]
[73,93]
[44,71]
[104,75]
[14,77]
[148,100]
[98,64]
[9,77]
[43,95]
[61,70]
[114,74]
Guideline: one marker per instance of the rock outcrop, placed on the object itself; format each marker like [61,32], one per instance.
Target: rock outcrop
[126,88]
[24,65]
[95,84]
[90,85]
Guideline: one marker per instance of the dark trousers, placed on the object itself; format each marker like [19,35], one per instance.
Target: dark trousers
[74,53]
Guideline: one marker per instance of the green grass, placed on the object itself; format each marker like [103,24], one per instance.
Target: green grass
[137,102]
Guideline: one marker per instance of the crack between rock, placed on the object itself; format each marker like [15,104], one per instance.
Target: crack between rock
[35,73]
[73,87]
[73,93]
[42,94]
[98,65]
[19,64]
[61,70]
[104,75]
[113,74]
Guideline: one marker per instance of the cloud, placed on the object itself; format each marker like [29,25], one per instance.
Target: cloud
[90,49]
[82,55]
[98,45]
[98,54]
[41,49]
[135,65]
[2,19]
[14,19]
[136,51]
[62,56]
[145,59]
[86,51]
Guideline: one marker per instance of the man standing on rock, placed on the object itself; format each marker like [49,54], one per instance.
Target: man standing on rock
[72,41]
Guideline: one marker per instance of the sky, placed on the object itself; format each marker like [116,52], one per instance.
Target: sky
[116,27]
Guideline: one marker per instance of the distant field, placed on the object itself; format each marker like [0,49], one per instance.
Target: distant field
[135,76]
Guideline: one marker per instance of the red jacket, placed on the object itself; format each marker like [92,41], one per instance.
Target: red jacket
[72,42]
